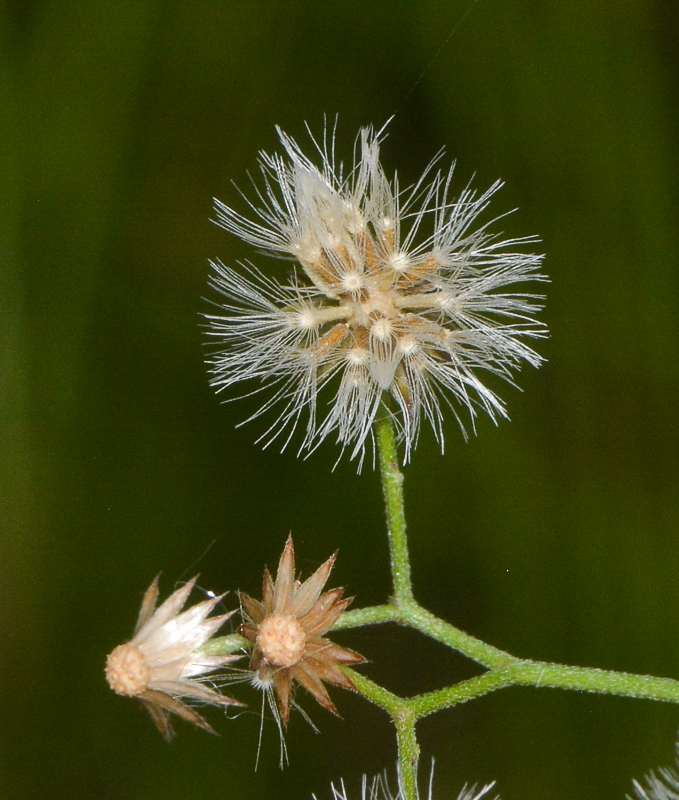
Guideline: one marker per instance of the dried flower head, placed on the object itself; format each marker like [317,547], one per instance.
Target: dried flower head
[392,295]
[162,663]
[287,629]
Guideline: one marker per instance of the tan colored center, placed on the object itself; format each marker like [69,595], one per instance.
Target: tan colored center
[127,670]
[282,640]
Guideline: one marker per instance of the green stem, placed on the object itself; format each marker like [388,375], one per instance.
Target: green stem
[404,719]
[408,755]
[425,704]
[538,674]
[371,615]
[503,669]
[409,612]
[225,645]
[392,487]
[381,697]
[588,679]
[487,655]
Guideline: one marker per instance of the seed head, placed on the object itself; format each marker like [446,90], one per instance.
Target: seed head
[287,629]
[163,662]
[127,670]
[282,640]
[393,296]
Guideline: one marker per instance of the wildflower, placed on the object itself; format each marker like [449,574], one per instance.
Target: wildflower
[287,629]
[392,295]
[660,785]
[162,663]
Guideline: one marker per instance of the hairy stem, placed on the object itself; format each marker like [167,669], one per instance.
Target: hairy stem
[409,612]
[503,669]
[539,674]
[392,488]
[408,754]
[225,645]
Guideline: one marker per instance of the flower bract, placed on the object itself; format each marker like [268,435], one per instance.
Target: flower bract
[287,632]
[398,297]
[162,665]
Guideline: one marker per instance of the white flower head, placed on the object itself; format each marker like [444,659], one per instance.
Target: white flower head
[394,296]
[164,663]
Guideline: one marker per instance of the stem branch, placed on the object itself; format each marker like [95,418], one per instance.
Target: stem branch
[503,669]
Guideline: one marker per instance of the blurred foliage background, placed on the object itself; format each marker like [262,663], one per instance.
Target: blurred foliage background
[555,536]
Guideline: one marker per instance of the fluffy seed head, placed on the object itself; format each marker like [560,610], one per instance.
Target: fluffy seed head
[410,278]
[287,632]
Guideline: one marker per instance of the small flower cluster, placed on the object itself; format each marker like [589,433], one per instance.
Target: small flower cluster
[167,661]
[393,295]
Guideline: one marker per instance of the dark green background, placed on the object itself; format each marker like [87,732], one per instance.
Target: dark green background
[554,536]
